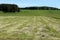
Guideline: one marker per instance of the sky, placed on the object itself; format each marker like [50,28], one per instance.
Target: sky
[28,3]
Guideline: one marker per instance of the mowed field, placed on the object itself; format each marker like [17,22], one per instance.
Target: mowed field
[30,25]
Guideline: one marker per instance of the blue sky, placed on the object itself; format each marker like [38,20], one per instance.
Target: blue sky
[27,3]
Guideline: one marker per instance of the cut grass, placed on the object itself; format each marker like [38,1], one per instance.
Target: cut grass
[31,17]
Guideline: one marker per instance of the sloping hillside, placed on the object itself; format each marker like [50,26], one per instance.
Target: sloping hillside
[30,25]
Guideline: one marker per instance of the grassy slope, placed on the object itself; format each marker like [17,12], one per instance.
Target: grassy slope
[51,14]
[33,12]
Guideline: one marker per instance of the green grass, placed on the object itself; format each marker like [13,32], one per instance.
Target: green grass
[33,13]
[49,13]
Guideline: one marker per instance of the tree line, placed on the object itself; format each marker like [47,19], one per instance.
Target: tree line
[41,8]
[15,8]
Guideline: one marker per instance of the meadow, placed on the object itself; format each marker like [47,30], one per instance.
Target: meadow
[30,25]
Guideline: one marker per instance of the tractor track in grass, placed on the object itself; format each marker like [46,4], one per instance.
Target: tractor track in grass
[44,24]
[13,25]
[27,27]
[21,25]
[40,27]
[51,22]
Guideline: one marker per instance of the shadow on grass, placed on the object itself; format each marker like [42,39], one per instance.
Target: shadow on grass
[56,17]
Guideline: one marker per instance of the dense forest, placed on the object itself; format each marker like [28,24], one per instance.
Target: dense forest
[9,8]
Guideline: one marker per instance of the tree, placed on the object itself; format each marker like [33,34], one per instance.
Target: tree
[9,8]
